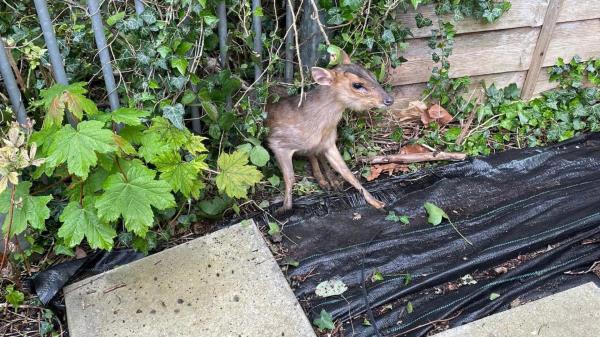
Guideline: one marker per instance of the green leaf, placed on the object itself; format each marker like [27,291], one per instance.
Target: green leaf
[325,321]
[436,214]
[115,18]
[188,98]
[236,176]
[274,229]
[210,109]
[392,216]
[377,276]
[83,221]
[180,64]
[213,206]
[78,148]
[129,116]
[59,98]
[132,197]
[211,19]
[494,296]
[14,297]
[275,180]
[259,156]
[416,3]
[27,209]
[183,176]
[409,307]
[163,137]
[163,51]
[174,113]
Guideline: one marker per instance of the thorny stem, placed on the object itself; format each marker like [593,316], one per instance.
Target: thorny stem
[10,221]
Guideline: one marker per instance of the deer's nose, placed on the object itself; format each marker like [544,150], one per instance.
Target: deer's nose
[388,100]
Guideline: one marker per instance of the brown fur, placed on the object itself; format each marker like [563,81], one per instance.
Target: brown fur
[311,129]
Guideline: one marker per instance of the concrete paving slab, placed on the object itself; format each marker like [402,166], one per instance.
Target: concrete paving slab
[571,313]
[226,284]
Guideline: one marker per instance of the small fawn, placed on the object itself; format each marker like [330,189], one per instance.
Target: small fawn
[311,129]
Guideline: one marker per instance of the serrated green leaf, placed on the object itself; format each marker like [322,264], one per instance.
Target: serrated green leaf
[78,148]
[79,222]
[259,156]
[325,321]
[163,137]
[27,209]
[236,176]
[436,214]
[58,98]
[132,197]
[129,116]
[14,297]
[183,176]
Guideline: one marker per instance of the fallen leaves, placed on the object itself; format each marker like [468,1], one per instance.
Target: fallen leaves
[436,113]
[391,168]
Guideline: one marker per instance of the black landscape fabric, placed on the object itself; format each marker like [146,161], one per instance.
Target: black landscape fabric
[532,215]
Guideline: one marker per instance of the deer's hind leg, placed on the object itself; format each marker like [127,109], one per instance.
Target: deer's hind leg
[317,173]
[335,182]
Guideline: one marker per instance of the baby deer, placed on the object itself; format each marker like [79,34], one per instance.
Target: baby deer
[311,129]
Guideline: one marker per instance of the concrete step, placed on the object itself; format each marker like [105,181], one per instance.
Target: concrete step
[225,284]
[571,313]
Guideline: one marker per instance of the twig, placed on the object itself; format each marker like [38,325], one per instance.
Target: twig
[315,16]
[428,323]
[120,285]
[297,51]
[415,157]
[8,228]
[465,129]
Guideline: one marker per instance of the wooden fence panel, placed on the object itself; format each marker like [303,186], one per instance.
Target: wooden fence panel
[574,38]
[576,10]
[474,54]
[523,13]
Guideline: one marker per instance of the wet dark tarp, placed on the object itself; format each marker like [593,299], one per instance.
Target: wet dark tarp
[510,205]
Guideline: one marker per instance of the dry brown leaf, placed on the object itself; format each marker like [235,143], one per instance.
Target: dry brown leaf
[411,113]
[413,148]
[391,168]
[436,113]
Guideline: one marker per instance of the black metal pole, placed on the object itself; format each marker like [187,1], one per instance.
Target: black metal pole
[257,27]
[139,6]
[289,42]
[222,33]
[58,68]
[107,70]
[11,85]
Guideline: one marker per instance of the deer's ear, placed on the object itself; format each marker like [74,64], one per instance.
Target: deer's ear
[345,58]
[322,76]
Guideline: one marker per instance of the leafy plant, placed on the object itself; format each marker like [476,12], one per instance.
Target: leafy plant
[14,297]
[325,321]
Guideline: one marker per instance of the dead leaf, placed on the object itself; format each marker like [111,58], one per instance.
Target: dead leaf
[413,148]
[411,113]
[436,113]
[391,168]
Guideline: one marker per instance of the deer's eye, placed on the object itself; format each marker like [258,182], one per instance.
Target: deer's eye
[357,86]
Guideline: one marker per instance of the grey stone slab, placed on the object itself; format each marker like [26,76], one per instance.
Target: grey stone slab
[571,313]
[226,284]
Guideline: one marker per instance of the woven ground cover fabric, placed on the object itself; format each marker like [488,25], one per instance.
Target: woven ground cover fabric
[537,202]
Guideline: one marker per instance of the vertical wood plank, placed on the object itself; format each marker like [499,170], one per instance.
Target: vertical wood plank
[541,47]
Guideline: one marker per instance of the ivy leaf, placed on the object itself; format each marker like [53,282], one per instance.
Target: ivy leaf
[236,176]
[132,197]
[115,18]
[436,214]
[259,156]
[182,175]
[416,3]
[494,296]
[174,113]
[180,64]
[325,321]
[129,116]
[27,209]
[329,288]
[83,221]
[78,147]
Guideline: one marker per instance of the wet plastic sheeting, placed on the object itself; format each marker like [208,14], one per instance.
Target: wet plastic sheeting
[513,203]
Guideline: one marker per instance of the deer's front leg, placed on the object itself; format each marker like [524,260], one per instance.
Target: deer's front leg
[284,160]
[337,163]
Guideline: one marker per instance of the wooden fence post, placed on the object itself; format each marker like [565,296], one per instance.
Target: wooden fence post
[541,47]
